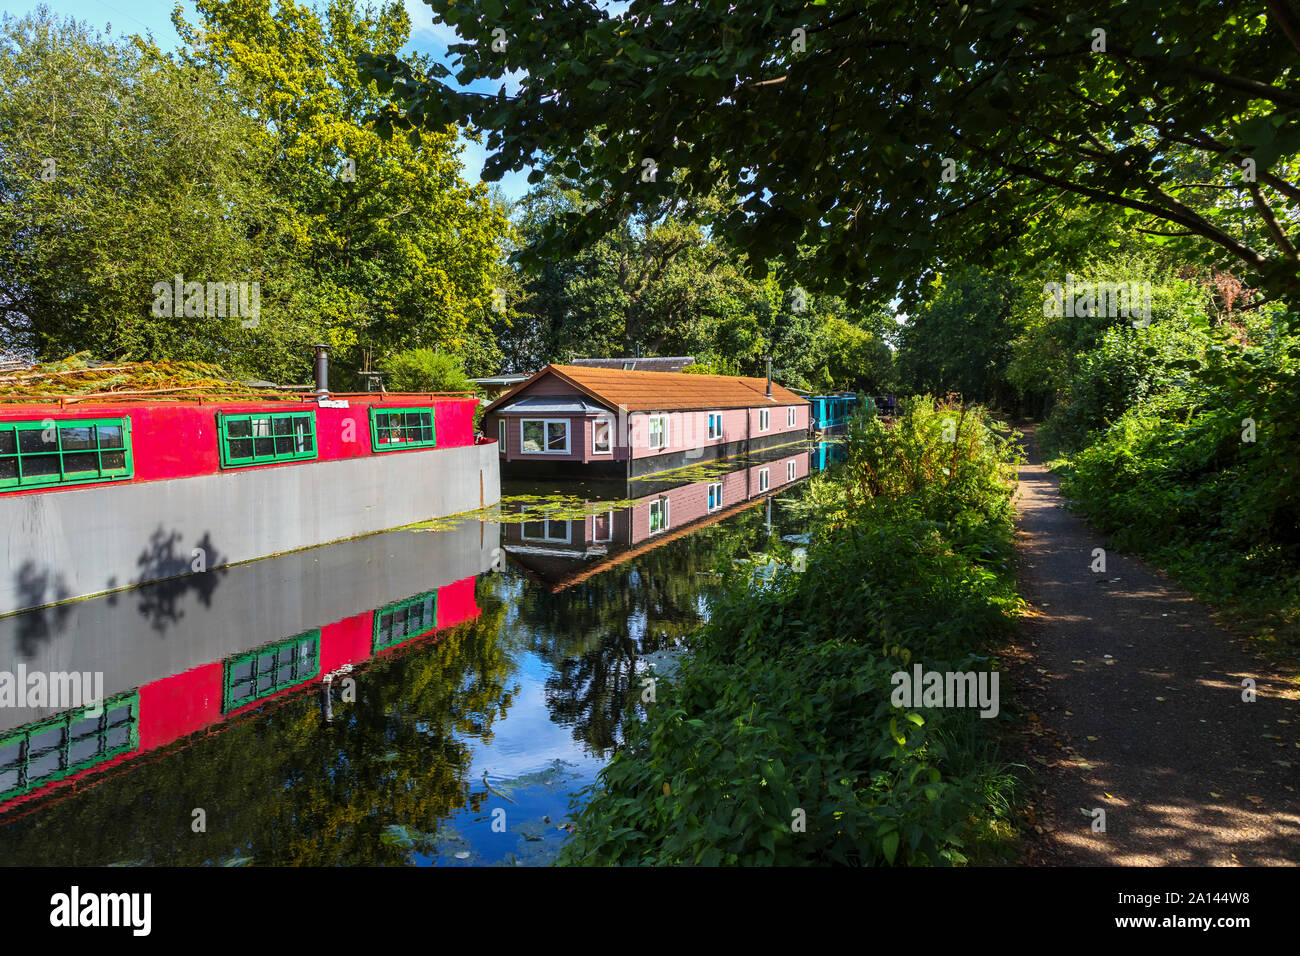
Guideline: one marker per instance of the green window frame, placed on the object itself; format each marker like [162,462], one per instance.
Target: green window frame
[269,669]
[69,451]
[263,438]
[399,622]
[54,747]
[398,429]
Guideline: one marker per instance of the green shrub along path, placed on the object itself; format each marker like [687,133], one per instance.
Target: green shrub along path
[778,742]
[1135,706]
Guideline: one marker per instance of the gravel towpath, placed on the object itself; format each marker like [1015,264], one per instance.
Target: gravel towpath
[1135,703]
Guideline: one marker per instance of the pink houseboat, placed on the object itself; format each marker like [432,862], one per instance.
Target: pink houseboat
[581,421]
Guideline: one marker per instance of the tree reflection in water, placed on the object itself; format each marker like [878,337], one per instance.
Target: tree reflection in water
[281,786]
[593,632]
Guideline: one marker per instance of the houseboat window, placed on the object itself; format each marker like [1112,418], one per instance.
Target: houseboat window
[658,427]
[51,452]
[789,417]
[392,429]
[602,527]
[715,425]
[395,623]
[601,430]
[545,529]
[715,496]
[763,479]
[501,435]
[75,740]
[267,670]
[789,471]
[658,515]
[544,436]
[261,438]
[764,419]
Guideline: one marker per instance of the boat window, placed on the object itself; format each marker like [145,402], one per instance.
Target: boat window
[601,430]
[544,436]
[64,452]
[715,425]
[715,496]
[405,619]
[57,746]
[658,515]
[260,438]
[658,431]
[267,670]
[394,429]
[545,529]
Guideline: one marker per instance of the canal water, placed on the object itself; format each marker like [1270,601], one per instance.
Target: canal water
[437,695]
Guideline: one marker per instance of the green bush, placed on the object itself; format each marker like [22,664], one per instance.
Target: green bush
[1127,366]
[424,370]
[783,707]
[1177,477]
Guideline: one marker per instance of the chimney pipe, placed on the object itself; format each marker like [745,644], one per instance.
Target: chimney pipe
[322,371]
[769,376]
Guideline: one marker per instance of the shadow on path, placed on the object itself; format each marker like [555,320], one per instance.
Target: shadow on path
[1137,709]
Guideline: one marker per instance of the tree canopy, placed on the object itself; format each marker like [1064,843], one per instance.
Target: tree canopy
[896,139]
[658,283]
[244,158]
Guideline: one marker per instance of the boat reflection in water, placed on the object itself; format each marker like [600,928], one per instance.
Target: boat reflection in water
[827,453]
[374,701]
[561,552]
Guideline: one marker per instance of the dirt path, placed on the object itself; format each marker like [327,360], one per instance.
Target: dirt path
[1137,696]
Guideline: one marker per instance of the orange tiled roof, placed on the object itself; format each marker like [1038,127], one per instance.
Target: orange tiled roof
[663,391]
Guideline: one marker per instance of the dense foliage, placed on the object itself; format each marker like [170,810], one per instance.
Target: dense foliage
[1202,470]
[244,157]
[121,168]
[959,340]
[782,715]
[424,370]
[657,284]
[898,138]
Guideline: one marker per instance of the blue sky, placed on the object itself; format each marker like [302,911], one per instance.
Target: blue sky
[154,16]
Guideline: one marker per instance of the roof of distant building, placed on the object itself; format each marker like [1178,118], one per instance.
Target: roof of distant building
[662,391]
[513,379]
[638,363]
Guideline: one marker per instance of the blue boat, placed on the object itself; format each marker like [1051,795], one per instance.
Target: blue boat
[832,411]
